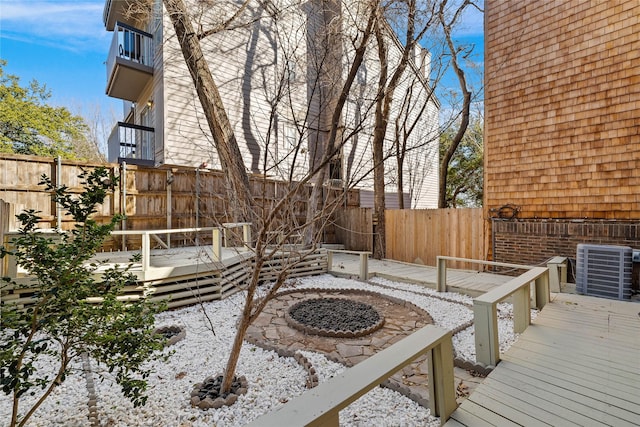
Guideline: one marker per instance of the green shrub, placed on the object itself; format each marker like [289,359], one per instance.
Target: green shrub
[61,323]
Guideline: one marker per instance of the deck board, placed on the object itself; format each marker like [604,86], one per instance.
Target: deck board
[578,363]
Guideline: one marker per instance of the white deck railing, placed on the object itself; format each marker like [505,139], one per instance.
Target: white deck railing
[217,234]
[485,314]
[364,261]
[321,405]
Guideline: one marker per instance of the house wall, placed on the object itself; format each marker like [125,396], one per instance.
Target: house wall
[250,64]
[533,241]
[562,103]
[420,169]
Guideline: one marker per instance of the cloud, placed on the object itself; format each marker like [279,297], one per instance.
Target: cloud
[75,26]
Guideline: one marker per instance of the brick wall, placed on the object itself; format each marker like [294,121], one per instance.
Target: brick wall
[562,108]
[533,241]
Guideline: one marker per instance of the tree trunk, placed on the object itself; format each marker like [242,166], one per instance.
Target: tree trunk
[330,147]
[237,179]
[379,131]
[383,110]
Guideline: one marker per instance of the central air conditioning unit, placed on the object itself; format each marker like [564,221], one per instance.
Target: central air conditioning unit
[604,271]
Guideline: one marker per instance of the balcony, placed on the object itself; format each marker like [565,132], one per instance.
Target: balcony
[132,143]
[130,62]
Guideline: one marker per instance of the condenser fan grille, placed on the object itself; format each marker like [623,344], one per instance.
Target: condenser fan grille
[604,271]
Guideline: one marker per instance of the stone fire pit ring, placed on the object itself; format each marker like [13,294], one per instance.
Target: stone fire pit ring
[336,317]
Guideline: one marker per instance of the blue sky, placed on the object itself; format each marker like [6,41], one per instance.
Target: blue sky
[64,45]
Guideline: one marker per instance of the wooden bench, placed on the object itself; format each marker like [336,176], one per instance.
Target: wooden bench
[320,406]
[364,260]
[486,317]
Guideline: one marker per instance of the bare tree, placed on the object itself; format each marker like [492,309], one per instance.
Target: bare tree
[277,218]
[335,57]
[221,129]
[415,29]
[332,145]
[447,24]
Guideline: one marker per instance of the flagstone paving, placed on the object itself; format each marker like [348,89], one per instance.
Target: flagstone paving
[402,318]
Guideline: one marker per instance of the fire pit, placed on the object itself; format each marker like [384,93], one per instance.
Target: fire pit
[334,317]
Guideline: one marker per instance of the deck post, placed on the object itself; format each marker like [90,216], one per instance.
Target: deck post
[442,274]
[9,263]
[442,395]
[246,234]
[216,242]
[543,295]
[486,332]
[146,251]
[557,273]
[521,309]
[364,266]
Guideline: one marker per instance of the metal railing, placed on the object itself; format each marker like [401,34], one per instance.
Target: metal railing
[131,44]
[129,141]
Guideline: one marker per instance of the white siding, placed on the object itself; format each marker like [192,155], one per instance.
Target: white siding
[271,109]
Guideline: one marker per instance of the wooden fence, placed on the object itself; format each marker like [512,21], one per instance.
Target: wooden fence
[180,197]
[354,228]
[151,198]
[421,235]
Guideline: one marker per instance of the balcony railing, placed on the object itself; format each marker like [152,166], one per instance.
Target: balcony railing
[130,62]
[131,143]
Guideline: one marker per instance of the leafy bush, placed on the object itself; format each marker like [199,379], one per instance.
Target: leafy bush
[75,308]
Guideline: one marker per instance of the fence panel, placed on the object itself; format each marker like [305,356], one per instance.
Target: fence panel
[354,228]
[151,198]
[421,235]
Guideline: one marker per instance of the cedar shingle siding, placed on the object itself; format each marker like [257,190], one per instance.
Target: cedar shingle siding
[562,109]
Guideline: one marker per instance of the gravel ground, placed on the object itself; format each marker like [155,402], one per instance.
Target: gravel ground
[272,380]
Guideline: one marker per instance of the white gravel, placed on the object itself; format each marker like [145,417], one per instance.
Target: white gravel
[272,380]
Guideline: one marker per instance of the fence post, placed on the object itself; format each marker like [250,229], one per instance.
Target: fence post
[486,332]
[329,260]
[441,270]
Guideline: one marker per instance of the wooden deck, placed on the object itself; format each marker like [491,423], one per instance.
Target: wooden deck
[468,282]
[188,275]
[577,364]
